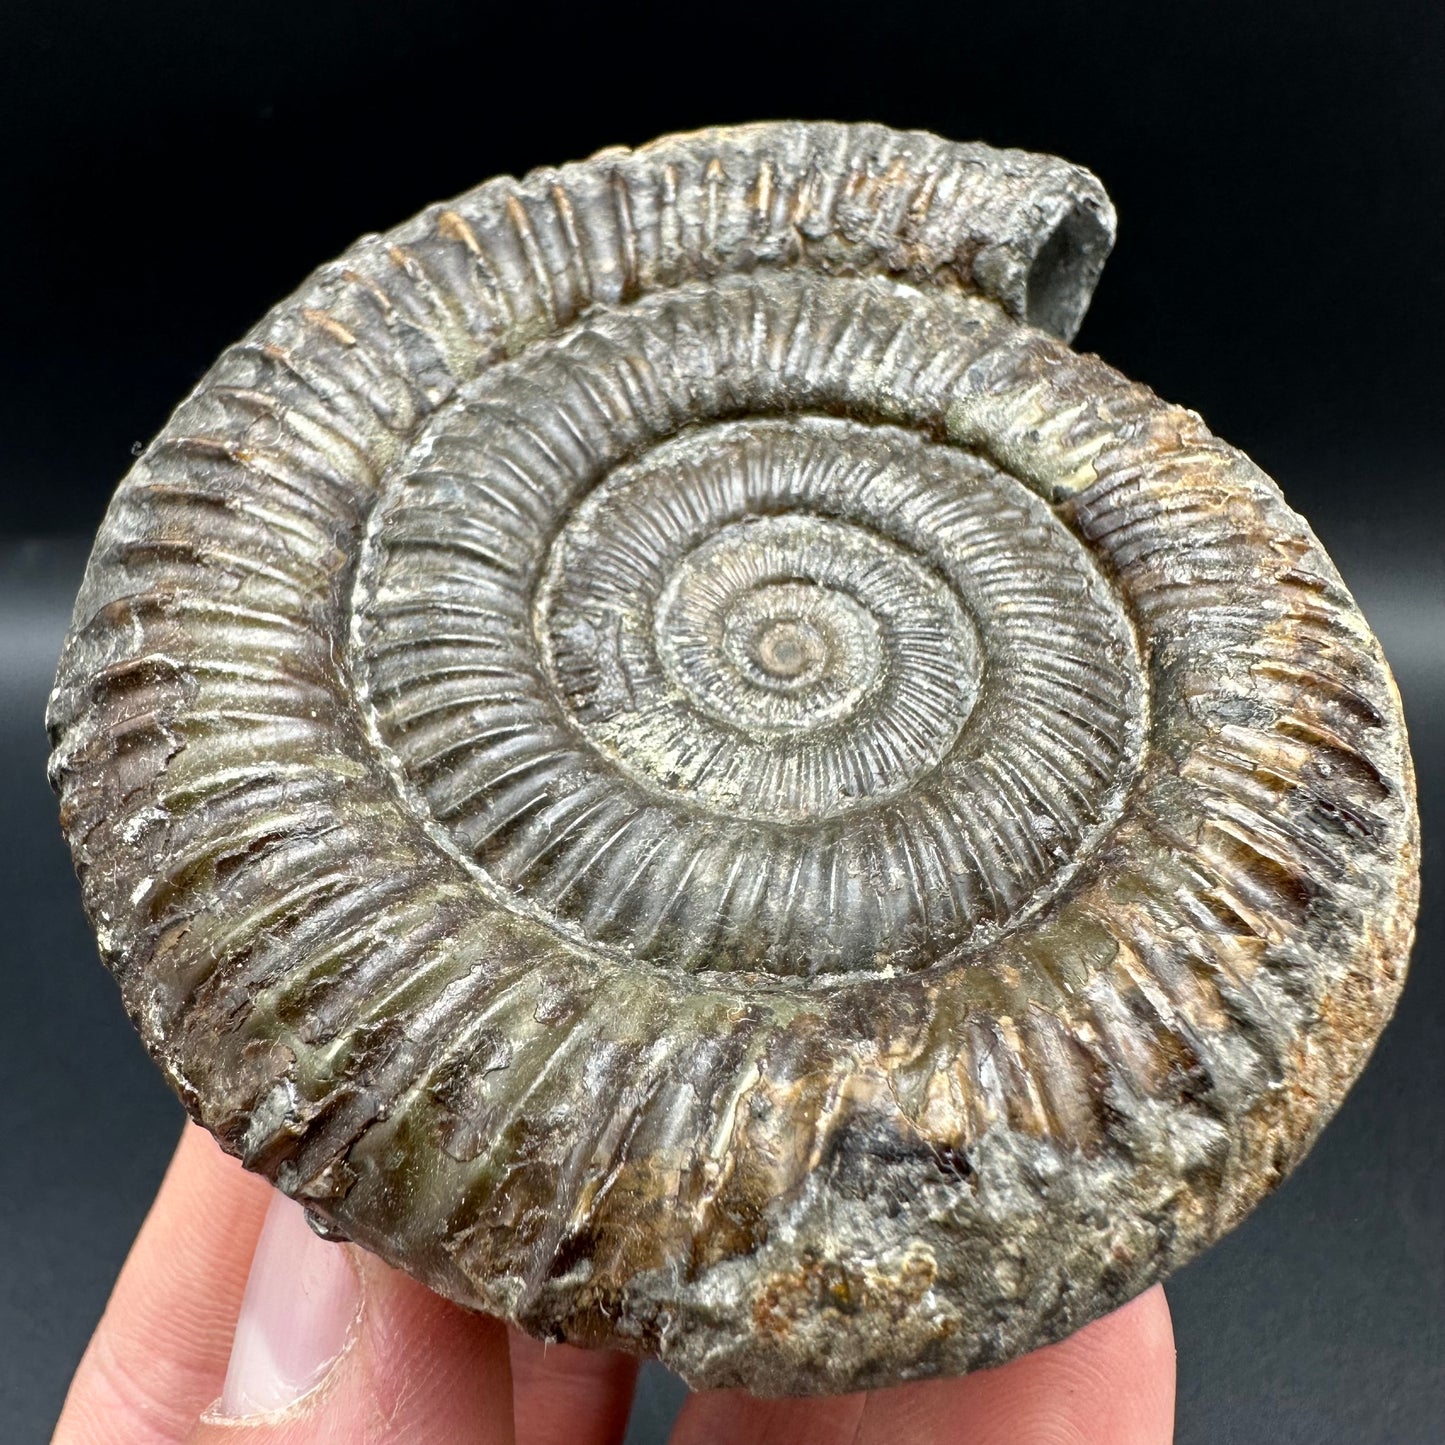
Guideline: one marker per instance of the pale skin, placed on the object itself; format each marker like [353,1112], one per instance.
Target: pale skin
[412,1369]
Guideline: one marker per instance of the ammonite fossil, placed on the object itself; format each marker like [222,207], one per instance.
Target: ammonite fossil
[659,750]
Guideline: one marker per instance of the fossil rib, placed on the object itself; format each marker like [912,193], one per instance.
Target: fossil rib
[656,747]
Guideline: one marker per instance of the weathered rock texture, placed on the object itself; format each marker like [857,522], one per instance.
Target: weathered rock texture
[656,747]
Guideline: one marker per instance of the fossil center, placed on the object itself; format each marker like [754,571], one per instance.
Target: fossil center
[757,694]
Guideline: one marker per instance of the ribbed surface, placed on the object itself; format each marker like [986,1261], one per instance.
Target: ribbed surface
[382,731]
[573,687]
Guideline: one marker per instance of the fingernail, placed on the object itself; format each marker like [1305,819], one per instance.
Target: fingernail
[301,1300]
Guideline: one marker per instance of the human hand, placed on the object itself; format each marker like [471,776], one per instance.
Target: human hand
[334,1348]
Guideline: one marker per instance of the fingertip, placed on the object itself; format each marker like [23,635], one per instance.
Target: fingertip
[411,1367]
[300,1309]
[1109,1383]
[563,1395]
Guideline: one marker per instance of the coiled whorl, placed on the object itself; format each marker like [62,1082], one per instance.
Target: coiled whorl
[658,749]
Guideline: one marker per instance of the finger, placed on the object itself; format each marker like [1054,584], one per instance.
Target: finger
[334,1348]
[719,1417]
[565,1396]
[159,1354]
[1111,1383]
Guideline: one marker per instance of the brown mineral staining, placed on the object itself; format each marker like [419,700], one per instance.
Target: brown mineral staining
[815,1285]
[655,746]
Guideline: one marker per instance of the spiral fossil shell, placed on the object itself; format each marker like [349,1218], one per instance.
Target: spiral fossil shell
[658,749]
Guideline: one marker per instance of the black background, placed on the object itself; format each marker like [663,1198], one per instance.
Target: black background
[169,170]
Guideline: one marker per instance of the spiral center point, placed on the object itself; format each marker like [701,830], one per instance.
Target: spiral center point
[788,650]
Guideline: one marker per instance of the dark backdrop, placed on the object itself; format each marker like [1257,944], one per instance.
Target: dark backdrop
[169,170]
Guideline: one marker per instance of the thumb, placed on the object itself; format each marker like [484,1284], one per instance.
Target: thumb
[334,1348]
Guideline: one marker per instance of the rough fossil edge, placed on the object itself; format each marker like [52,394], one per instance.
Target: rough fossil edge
[887,1220]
